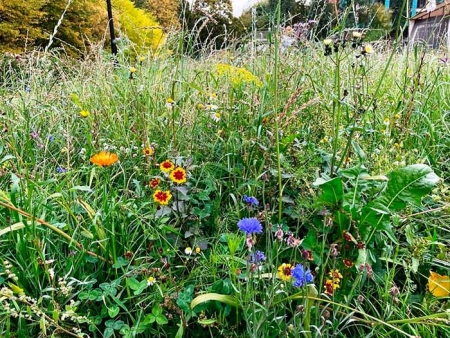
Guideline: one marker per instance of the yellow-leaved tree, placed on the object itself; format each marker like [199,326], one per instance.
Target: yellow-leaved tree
[165,11]
[19,24]
[137,24]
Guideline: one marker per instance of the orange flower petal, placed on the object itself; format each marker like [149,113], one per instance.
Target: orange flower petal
[439,285]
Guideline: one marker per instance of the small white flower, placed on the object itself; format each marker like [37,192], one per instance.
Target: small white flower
[211,107]
[151,280]
[216,116]
[188,250]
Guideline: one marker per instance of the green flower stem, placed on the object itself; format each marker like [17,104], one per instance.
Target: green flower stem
[277,136]
[336,113]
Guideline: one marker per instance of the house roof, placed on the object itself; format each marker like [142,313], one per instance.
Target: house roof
[442,9]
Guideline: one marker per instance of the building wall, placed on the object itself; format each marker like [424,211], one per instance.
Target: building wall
[432,32]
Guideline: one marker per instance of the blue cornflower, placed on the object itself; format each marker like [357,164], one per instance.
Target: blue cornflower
[50,138]
[250,200]
[257,257]
[302,276]
[61,170]
[250,226]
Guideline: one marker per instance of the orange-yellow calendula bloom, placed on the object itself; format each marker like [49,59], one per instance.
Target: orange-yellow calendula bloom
[104,159]
[178,175]
[162,197]
[166,166]
[285,272]
[439,285]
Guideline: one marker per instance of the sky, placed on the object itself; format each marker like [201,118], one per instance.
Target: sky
[240,5]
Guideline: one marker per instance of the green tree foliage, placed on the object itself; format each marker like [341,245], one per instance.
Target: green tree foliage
[288,9]
[138,25]
[19,24]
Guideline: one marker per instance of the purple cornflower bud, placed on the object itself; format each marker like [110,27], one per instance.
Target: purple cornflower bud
[251,201]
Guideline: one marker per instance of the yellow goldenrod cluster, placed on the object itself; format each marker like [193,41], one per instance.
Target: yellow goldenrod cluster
[237,76]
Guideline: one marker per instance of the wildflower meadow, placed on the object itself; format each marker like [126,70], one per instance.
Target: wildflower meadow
[248,192]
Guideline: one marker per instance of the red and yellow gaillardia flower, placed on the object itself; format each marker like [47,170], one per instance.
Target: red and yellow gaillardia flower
[178,175]
[104,159]
[162,197]
[148,151]
[154,183]
[285,272]
[167,166]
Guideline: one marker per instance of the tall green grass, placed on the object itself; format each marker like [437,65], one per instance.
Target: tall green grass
[69,223]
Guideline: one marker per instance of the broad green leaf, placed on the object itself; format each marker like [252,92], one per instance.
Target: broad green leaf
[332,192]
[408,185]
[226,299]
[405,186]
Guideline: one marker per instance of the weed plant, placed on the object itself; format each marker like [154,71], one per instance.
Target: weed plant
[294,194]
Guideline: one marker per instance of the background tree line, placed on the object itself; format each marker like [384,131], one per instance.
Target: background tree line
[25,24]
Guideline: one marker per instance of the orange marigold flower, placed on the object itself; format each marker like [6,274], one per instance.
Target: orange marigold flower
[154,183]
[162,197]
[167,166]
[285,272]
[104,159]
[438,285]
[148,151]
[178,175]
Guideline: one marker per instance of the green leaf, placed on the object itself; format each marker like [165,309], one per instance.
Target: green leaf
[226,299]
[180,331]
[133,283]
[408,185]
[358,150]
[206,321]
[161,320]
[156,310]
[108,332]
[14,227]
[120,262]
[142,287]
[405,186]
[332,192]
[113,311]
[108,289]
